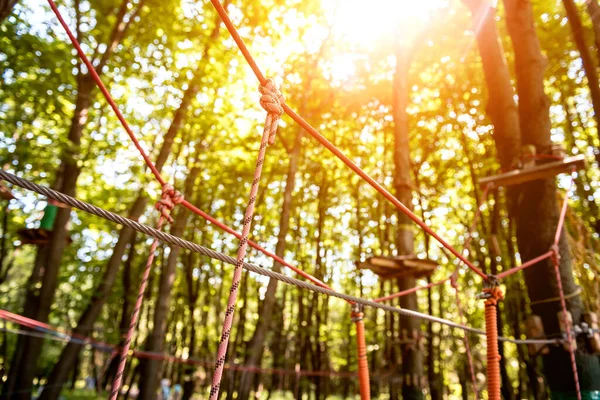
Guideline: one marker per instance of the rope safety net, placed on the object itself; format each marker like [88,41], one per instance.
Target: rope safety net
[274,104]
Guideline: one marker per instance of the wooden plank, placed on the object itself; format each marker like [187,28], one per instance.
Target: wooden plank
[398,267]
[541,171]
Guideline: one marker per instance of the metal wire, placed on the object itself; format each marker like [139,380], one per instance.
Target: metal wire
[177,241]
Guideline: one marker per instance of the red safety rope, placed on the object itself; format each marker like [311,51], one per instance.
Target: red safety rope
[105,92]
[549,253]
[470,231]
[332,148]
[150,164]
[271,101]
[67,336]
[362,360]
[169,198]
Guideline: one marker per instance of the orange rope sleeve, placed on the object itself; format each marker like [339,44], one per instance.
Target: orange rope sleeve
[363,362]
[491,331]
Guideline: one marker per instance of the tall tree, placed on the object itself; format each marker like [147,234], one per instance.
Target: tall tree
[412,356]
[589,66]
[537,211]
[43,281]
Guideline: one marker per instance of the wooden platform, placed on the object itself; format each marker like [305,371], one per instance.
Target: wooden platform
[541,171]
[394,267]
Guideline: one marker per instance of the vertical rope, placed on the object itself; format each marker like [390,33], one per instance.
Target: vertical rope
[271,101]
[169,198]
[566,323]
[462,319]
[363,362]
[494,295]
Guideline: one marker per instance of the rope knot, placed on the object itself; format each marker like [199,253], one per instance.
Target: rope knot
[168,198]
[271,100]
[494,295]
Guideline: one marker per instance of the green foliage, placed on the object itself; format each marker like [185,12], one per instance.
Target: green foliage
[341,87]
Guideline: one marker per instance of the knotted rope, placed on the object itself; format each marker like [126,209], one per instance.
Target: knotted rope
[363,362]
[493,295]
[270,100]
[454,284]
[168,199]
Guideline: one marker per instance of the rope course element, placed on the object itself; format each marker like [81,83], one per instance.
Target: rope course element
[168,199]
[52,333]
[150,164]
[274,104]
[363,362]
[271,101]
[332,148]
[177,241]
[492,295]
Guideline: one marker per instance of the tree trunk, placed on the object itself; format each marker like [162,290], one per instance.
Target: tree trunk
[594,12]
[4,272]
[111,371]
[537,208]
[6,7]
[150,368]
[501,107]
[412,357]
[586,60]
[44,278]
[193,293]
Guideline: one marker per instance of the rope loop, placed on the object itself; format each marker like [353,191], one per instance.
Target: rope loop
[168,198]
[493,294]
[271,100]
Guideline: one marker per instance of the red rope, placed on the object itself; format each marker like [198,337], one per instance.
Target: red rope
[332,148]
[362,360]
[491,332]
[66,336]
[559,226]
[105,92]
[529,263]
[274,111]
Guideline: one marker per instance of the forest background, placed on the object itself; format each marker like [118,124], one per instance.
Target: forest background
[354,70]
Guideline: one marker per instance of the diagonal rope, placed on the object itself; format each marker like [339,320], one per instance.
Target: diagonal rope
[271,101]
[333,149]
[150,164]
[177,241]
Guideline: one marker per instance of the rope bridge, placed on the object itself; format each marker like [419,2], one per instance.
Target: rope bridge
[274,104]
